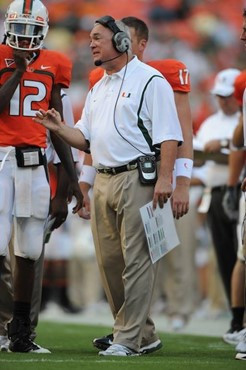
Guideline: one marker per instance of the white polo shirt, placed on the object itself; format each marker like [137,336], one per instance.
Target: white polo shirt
[120,130]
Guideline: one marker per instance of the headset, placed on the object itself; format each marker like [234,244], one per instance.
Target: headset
[121,41]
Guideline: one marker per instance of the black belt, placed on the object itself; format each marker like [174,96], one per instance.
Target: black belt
[115,170]
[219,188]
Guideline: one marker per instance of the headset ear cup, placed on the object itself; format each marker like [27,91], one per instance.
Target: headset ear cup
[121,42]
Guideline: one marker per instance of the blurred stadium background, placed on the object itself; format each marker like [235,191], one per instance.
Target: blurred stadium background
[204,34]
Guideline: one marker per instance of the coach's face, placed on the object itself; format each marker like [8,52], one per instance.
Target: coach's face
[101,43]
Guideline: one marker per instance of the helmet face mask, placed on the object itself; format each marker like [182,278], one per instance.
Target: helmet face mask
[25,28]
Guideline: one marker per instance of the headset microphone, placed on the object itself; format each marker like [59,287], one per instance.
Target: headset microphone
[100,62]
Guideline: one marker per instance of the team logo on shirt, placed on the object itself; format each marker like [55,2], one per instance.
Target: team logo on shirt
[126,95]
[9,62]
[45,67]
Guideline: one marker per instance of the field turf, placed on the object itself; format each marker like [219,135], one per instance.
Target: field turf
[72,349]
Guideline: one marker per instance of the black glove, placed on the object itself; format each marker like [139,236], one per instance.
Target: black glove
[230,202]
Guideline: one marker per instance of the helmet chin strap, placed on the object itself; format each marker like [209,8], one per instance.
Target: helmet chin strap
[4,39]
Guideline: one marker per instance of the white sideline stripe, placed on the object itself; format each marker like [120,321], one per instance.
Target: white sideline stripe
[130,361]
[78,361]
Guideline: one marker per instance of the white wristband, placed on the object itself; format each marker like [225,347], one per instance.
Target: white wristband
[87,174]
[184,167]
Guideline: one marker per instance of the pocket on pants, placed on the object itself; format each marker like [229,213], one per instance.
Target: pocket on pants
[41,201]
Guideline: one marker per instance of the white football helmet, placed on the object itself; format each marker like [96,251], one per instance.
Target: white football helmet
[26,24]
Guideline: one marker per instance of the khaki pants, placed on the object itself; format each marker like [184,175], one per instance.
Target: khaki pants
[128,276]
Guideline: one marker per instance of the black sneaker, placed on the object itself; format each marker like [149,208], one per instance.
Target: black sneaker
[19,332]
[152,347]
[26,345]
[103,342]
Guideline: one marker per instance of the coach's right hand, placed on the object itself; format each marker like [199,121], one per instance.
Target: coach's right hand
[51,119]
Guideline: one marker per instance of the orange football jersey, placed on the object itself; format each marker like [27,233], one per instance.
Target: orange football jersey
[17,127]
[173,70]
[95,76]
[239,87]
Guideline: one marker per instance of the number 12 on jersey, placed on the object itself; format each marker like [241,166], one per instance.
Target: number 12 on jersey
[23,106]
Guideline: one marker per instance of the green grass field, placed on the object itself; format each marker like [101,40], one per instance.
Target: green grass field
[72,349]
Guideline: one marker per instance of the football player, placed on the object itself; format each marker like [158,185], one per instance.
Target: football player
[30,78]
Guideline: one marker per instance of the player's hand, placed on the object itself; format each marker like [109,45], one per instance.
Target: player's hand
[50,119]
[74,190]
[85,211]
[20,58]
[59,211]
[180,201]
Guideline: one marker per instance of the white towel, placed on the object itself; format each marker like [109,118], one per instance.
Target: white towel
[23,192]
[23,183]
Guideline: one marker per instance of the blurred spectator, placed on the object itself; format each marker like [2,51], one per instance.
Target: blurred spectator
[213,136]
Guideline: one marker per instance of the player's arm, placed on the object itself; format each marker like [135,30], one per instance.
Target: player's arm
[231,197]
[63,150]
[88,173]
[167,132]
[177,74]
[8,88]
[184,161]
[238,137]
[59,208]
[67,181]
[58,204]
[236,164]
